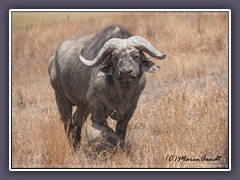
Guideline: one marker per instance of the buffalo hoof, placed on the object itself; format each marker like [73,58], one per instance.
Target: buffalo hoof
[102,137]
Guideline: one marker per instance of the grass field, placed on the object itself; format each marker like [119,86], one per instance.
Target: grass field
[183,111]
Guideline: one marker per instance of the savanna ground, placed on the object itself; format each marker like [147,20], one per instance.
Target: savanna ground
[183,110]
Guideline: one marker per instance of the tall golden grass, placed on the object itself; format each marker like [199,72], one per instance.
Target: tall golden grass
[183,110]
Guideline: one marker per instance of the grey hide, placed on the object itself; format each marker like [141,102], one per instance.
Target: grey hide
[101,74]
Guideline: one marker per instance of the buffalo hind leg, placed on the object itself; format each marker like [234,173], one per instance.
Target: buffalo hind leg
[65,110]
[79,117]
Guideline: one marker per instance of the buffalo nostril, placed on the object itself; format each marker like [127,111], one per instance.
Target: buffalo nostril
[126,71]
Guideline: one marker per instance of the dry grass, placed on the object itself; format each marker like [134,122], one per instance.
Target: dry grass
[183,110]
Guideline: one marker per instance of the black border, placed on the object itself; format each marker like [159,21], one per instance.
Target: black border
[143,169]
[5,5]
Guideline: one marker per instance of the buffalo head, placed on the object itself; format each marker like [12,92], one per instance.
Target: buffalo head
[124,58]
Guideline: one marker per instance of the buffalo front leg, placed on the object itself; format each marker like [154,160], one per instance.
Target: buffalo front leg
[100,131]
[121,127]
[79,117]
[121,130]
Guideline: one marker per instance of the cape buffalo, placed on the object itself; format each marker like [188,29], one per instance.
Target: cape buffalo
[101,74]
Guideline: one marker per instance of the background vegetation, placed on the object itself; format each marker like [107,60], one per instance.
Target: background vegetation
[183,110]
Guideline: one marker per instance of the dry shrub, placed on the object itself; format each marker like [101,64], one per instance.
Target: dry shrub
[183,110]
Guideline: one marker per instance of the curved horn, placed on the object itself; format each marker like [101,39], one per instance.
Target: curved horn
[109,46]
[143,45]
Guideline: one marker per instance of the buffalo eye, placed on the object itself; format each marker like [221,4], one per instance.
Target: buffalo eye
[115,58]
[135,56]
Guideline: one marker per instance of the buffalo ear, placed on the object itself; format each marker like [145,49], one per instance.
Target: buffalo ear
[106,67]
[149,66]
